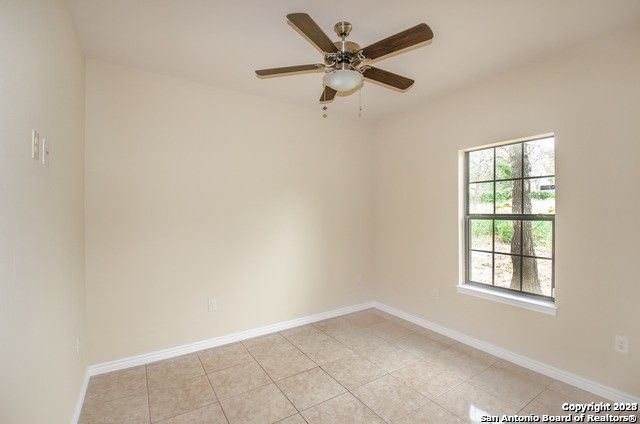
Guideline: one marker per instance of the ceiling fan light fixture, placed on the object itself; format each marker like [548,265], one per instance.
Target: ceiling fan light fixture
[343,79]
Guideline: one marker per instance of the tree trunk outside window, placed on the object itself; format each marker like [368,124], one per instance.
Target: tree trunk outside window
[522,231]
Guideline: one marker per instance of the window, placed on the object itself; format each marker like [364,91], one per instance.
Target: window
[509,223]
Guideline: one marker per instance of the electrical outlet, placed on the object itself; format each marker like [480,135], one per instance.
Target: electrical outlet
[621,344]
[213,304]
[435,294]
[78,348]
[35,145]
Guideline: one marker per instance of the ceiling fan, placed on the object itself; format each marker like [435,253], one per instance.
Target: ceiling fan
[345,63]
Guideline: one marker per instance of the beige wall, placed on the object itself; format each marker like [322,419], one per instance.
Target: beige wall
[41,213]
[590,98]
[195,192]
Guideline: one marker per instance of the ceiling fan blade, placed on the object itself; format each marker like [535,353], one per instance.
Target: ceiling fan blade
[327,95]
[287,70]
[388,78]
[402,40]
[312,31]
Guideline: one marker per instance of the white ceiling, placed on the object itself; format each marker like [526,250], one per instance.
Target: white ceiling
[222,41]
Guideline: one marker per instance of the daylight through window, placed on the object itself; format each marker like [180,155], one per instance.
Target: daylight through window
[510,217]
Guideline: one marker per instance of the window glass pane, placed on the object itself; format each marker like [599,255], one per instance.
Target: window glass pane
[539,158]
[509,196]
[481,233]
[481,165]
[540,196]
[509,161]
[537,238]
[507,271]
[507,236]
[536,276]
[481,267]
[481,198]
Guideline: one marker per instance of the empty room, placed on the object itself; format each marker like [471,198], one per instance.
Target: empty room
[343,212]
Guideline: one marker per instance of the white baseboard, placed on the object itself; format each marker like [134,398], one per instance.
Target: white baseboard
[83,390]
[548,370]
[524,361]
[159,355]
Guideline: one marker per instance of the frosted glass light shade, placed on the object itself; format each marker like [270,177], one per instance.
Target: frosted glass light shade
[343,79]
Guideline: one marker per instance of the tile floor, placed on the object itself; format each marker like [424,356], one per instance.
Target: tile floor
[367,367]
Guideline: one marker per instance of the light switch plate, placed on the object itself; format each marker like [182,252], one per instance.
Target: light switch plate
[35,145]
[213,304]
[46,146]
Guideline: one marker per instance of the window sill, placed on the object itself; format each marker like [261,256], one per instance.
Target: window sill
[542,306]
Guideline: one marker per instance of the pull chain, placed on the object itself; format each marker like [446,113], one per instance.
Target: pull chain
[361,108]
[324,107]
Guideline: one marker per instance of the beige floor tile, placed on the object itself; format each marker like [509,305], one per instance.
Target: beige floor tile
[388,357]
[437,337]
[364,318]
[470,403]
[210,414]
[324,351]
[344,409]
[359,340]
[511,383]
[116,385]
[573,393]
[310,388]
[131,410]
[239,379]
[548,402]
[222,357]
[389,398]
[304,334]
[476,353]
[388,330]
[353,371]
[382,314]
[551,399]
[294,419]
[265,404]
[334,326]
[174,371]
[284,364]
[534,376]
[429,379]
[269,344]
[171,400]
[418,345]
[466,361]
[431,414]
[409,325]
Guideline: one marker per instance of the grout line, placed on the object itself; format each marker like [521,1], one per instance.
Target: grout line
[212,389]
[532,400]
[272,380]
[362,402]
[224,368]
[323,370]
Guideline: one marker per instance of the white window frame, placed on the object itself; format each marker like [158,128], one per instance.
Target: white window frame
[511,298]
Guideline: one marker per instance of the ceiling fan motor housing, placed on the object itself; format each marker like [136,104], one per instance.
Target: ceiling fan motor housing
[343,29]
